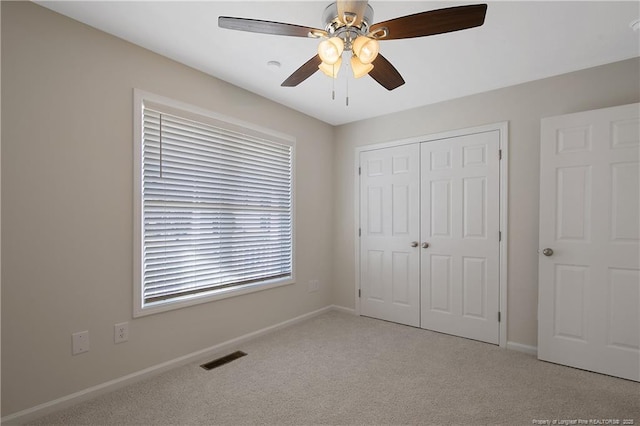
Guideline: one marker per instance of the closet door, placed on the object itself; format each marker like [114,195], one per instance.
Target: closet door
[460,236]
[389,226]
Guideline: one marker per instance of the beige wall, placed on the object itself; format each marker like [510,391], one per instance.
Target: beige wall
[67,96]
[522,106]
[67,199]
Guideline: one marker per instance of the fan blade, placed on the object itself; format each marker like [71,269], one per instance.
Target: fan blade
[269,27]
[385,73]
[301,74]
[351,12]
[430,22]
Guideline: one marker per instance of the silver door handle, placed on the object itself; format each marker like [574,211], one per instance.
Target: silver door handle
[547,252]
[415,244]
[425,245]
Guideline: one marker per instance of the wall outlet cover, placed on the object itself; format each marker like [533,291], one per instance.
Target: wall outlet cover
[121,332]
[313,286]
[80,342]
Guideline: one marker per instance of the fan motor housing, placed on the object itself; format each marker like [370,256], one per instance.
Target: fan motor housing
[335,25]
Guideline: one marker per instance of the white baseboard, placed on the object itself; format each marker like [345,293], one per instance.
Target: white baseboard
[40,410]
[531,350]
[343,309]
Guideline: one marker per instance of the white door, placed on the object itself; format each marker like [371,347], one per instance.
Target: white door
[589,265]
[390,229]
[460,225]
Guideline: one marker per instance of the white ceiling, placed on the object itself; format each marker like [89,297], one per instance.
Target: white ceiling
[519,42]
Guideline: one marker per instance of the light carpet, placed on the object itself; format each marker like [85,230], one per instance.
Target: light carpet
[342,369]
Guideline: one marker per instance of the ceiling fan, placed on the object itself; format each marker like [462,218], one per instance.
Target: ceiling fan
[348,27]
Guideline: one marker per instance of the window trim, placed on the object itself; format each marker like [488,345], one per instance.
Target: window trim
[142,98]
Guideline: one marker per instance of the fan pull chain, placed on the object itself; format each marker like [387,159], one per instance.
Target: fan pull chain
[333,83]
[347,99]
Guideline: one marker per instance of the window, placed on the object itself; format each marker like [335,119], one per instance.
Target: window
[214,206]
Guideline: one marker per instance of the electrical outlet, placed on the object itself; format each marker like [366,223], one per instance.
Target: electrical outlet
[314,285]
[121,332]
[80,342]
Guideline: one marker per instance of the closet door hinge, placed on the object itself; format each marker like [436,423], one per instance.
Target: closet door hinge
[359,293]
[359,232]
[499,316]
[499,235]
[499,154]
[359,170]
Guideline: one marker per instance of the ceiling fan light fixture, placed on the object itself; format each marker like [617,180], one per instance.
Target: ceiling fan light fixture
[330,50]
[366,49]
[331,70]
[359,69]
[349,22]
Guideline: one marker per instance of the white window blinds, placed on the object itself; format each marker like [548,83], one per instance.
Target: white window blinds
[216,208]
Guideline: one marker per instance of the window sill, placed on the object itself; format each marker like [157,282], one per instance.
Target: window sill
[197,299]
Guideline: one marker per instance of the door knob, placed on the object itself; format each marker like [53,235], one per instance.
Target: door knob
[547,252]
[425,245]
[414,244]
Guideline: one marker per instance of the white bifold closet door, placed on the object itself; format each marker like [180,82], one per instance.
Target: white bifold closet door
[589,264]
[460,223]
[429,243]
[390,229]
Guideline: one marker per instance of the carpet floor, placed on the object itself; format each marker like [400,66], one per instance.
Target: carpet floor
[342,369]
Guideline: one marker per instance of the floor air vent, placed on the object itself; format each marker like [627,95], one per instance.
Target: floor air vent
[222,361]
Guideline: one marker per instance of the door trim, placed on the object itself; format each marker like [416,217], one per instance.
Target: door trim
[503,130]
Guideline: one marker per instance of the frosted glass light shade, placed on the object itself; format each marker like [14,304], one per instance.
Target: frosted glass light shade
[331,50]
[366,49]
[331,70]
[359,69]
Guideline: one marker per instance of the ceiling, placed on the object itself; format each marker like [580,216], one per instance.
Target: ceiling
[519,42]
